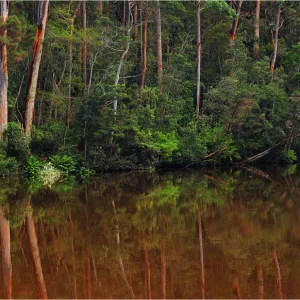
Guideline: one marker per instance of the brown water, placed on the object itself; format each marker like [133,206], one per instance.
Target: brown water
[180,234]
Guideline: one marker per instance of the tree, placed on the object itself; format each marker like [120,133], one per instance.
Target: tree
[256,30]
[159,48]
[3,67]
[35,63]
[145,42]
[198,59]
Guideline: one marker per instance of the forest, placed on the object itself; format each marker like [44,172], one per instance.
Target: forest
[91,86]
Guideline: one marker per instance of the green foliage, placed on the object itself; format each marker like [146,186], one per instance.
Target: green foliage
[33,166]
[288,157]
[49,175]
[8,166]
[17,141]
[63,162]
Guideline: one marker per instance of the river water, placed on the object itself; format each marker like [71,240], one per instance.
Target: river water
[175,234]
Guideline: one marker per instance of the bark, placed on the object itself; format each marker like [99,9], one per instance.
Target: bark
[35,254]
[260,279]
[256,30]
[135,15]
[275,40]
[35,64]
[100,8]
[88,275]
[72,229]
[71,64]
[84,75]
[3,68]
[159,49]
[124,54]
[201,253]
[145,42]
[235,22]
[6,255]
[198,59]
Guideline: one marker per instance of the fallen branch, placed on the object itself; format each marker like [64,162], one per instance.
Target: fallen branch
[213,153]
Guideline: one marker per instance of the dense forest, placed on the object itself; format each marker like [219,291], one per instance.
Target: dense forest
[115,85]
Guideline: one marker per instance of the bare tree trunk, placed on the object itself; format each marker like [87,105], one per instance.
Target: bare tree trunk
[35,253]
[6,255]
[256,30]
[35,64]
[235,22]
[145,34]
[198,59]
[159,49]
[201,253]
[3,68]
[73,256]
[275,40]
[84,44]
[135,16]
[124,54]
[100,7]
[260,279]
[71,64]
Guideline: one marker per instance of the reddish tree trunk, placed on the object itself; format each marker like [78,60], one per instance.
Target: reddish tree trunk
[260,279]
[35,64]
[256,30]
[275,40]
[163,273]
[84,44]
[3,68]
[277,266]
[198,59]
[159,49]
[35,254]
[235,22]
[145,50]
[6,255]
[147,264]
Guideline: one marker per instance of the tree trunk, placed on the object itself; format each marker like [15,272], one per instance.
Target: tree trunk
[256,30]
[6,255]
[135,16]
[275,40]
[35,64]
[198,59]
[235,22]
[145,34]
[100,8]
[35,254]
[201,253]
[148,271]
[3,68]
[71,64]
[159,49]
[277,266]
[84,75]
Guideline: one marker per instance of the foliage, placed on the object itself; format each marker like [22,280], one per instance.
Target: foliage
[288,157]
[63,162]
[33,166]
[49,175]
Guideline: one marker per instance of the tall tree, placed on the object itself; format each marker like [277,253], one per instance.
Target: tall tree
[159,49]
[6,255]
[256,30]
[35,64]
[145,42]
[198,59]
[3,68]
[275,39]
[237,6]
[84,44]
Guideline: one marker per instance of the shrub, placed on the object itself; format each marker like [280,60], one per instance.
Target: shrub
[48,175]
[288,157]
[17,141]
[85,173]
[33,166]
[64,162]
[8,166]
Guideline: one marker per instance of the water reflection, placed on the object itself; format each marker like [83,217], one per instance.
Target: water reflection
[180,234]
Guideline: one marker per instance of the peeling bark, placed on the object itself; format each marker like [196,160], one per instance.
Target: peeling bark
[35,64]
[3,68]
[6,255]
[35,254]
